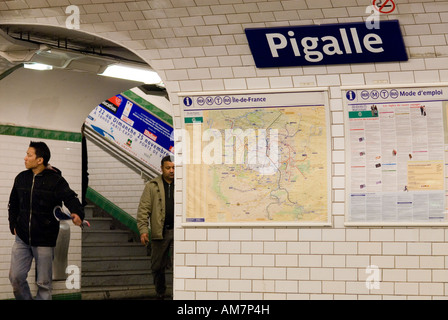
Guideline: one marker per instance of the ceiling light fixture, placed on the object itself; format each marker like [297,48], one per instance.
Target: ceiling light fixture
[37,66]
[132,73]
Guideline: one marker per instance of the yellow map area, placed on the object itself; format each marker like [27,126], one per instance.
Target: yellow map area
[228,191]
[425,175]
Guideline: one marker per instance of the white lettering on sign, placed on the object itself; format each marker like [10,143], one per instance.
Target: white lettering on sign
[331,45]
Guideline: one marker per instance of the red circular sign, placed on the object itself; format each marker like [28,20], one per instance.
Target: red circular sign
[384,6]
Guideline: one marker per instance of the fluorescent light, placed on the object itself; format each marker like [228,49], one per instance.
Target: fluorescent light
[132,73]
[37,66]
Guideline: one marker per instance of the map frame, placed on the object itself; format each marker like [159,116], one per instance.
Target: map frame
[193,102]
[397,94]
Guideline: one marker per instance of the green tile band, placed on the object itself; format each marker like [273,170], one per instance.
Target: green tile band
[63,296]
[67,296]
[9,130]
[112,209]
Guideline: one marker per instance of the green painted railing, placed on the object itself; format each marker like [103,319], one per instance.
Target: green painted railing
[112,209]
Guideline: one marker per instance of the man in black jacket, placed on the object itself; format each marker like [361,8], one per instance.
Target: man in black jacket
[35,193]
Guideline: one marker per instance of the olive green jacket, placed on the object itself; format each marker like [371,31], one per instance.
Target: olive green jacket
[152,205]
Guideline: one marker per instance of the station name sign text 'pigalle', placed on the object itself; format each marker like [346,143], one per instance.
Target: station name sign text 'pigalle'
[326,44]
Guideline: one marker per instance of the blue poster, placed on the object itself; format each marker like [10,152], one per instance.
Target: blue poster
[133,128]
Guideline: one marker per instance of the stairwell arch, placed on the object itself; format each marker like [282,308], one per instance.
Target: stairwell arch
[51,131]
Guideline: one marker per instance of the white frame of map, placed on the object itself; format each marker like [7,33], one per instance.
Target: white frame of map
[416,95]
[311,95]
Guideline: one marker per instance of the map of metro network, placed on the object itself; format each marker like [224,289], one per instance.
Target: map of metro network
[235,191]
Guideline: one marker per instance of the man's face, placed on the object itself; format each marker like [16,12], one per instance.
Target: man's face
[31,161]
[168,170]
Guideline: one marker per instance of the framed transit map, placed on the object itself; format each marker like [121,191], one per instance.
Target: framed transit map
[255,158]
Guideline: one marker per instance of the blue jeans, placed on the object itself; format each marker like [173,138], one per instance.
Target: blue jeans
[21,258]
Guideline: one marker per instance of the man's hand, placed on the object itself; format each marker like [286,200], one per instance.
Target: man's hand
[76,219]
[144,239]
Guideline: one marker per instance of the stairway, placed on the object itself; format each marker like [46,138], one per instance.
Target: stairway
[114,263]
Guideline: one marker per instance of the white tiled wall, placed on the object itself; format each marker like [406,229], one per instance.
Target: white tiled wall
[113,180]
[200,46]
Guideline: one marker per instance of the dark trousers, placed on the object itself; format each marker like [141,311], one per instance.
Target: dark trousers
[161,259]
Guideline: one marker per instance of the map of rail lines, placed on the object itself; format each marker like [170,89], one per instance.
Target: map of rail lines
[259,165]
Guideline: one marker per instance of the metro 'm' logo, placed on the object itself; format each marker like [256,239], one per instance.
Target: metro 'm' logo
[326,44]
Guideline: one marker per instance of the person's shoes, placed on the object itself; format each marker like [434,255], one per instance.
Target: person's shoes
[164,296]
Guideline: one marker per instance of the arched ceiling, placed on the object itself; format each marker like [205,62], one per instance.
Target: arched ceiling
[28,43]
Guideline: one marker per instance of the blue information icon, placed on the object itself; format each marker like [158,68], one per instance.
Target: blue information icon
[188,101]
[351,95]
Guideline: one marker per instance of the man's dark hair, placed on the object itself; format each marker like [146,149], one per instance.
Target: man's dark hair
[42,151]
[169,158]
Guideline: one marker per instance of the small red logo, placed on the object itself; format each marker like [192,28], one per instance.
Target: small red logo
[116,100]
[150,135]
[384,6]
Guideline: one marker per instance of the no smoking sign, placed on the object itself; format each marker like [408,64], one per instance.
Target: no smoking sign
[384,6]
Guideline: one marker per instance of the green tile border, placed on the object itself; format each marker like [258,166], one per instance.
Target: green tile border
[149,106]
[62,296]
[18,131]
[68,296]
[112,209]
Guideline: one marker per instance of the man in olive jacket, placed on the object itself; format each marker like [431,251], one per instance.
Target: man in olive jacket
[156,210]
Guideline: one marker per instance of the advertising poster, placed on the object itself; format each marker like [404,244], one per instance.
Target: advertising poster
[396,155]
[135,125]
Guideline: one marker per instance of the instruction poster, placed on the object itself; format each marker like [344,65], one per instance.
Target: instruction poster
[396,155]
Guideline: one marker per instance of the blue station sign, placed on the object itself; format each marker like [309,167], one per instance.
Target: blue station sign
[326,44]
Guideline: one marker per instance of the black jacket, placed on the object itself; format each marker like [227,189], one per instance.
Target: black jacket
[33,198]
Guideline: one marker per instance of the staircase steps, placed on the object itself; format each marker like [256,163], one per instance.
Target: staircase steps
[130,263]
[115,265]
[105,236]
[112,249]
[117,278]
[128,292]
